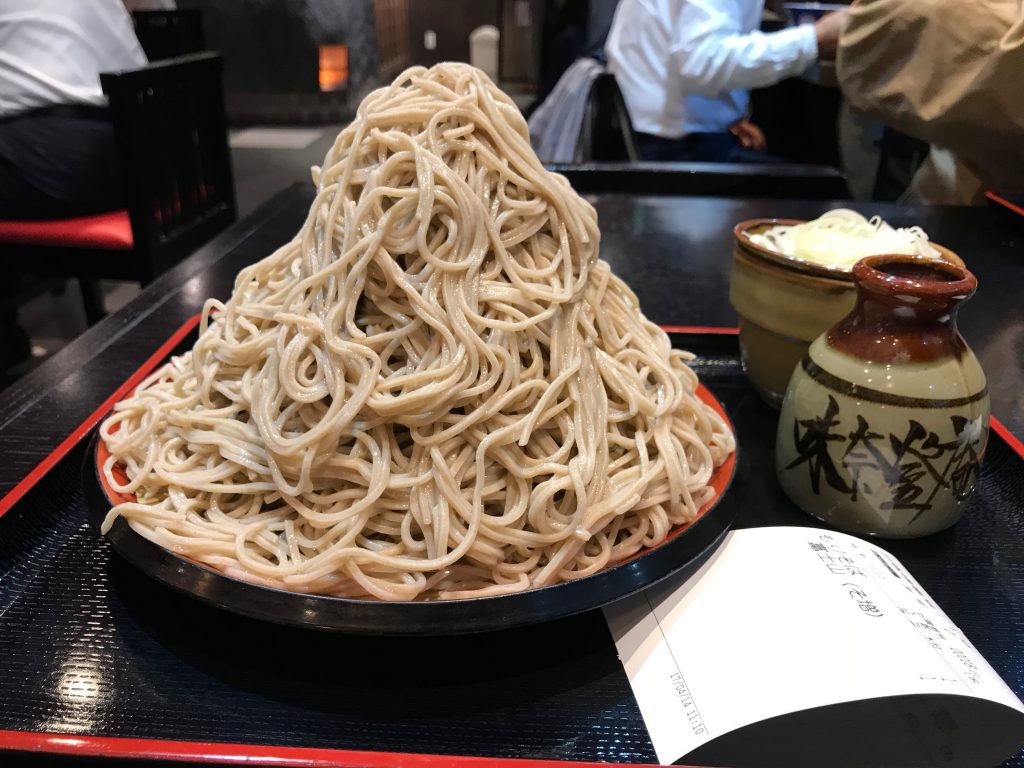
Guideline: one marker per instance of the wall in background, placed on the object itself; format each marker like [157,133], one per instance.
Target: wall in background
[271,48]
[271,56]
[392,17]
[522,25]
[450,22]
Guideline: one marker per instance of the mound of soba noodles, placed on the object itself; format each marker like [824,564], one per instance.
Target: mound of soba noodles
[436,389]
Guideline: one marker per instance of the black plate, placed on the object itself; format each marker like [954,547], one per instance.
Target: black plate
[687,549]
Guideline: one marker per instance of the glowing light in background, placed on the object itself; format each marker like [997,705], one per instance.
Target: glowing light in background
[333,67]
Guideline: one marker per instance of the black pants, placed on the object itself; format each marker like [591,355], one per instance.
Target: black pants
[58,164]
[699,147]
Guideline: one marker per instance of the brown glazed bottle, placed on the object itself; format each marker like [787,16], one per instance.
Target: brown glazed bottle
[885,420]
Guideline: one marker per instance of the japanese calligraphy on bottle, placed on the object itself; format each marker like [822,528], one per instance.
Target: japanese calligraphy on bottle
[885,420]
[903,470]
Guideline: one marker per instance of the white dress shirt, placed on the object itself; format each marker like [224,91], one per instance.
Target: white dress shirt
[684,66]
[52,51]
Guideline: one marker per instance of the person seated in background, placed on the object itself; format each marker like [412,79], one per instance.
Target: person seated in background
[57,157]
[949,73]
[685,66]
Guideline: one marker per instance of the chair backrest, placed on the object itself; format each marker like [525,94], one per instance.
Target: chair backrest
[809,182]
[607,133]
[166,34]
[171,135]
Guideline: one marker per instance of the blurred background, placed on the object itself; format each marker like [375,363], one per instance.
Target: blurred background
[240,99]
[295,70]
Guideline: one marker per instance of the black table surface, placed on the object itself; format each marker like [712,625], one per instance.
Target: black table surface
[674,252]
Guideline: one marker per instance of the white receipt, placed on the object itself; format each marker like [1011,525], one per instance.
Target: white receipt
[783,620]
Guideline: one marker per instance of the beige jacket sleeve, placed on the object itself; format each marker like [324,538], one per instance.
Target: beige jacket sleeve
[950,72]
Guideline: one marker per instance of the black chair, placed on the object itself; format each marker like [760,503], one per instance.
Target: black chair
[810,182]
[167,34]
[606,135]
[609,162]
[171,137]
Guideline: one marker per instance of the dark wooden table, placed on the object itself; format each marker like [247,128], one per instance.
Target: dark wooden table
[676,254]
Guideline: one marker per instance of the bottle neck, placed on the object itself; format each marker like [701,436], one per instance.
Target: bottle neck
[882,330]
[905,311]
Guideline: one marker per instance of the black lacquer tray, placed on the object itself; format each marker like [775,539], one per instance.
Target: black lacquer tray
[99,659]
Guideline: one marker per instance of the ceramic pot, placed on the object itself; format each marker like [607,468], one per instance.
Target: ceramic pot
[784,304]
[885,420]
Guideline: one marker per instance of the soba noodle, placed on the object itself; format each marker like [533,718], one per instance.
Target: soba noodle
[436,389]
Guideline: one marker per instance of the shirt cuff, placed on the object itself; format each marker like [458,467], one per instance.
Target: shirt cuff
[807,40]
[804,41]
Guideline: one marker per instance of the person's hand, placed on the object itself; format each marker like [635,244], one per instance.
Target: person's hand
[750,136]
[827,29]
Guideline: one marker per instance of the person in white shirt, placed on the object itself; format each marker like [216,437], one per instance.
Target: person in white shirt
[685,66]
[57,157]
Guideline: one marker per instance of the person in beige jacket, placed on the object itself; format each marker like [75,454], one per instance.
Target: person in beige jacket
[950,72]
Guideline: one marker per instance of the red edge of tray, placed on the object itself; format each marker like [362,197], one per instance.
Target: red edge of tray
[709,329]
[251,754]
[1000,200]
[25,485]
[1008,437]
[290,757]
